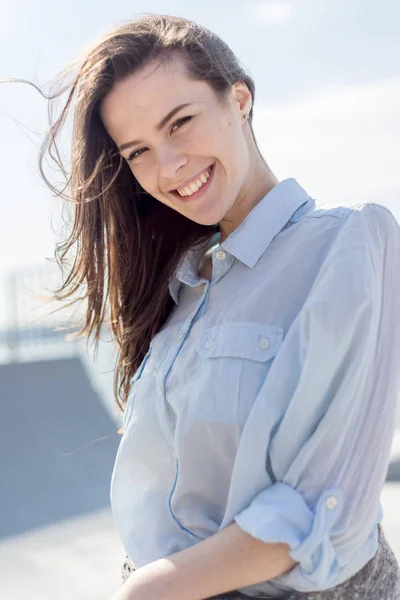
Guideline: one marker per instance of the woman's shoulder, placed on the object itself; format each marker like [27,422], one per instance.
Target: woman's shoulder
[356,210]
[366,219]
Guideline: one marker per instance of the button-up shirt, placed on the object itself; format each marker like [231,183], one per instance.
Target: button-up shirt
[268,397]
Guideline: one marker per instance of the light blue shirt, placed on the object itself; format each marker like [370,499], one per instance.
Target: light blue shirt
[269,396]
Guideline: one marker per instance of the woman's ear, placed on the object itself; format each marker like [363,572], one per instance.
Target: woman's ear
[241,95]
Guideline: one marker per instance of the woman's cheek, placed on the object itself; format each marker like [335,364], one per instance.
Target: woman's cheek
[142,174]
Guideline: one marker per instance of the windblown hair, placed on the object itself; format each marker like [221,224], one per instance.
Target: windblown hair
[126,245]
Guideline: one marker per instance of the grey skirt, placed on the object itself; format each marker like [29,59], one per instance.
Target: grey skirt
[379,579]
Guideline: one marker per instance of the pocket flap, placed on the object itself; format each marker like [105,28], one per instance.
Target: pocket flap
[255,341]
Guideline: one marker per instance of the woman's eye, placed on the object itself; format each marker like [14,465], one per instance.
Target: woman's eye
[179,123]
[175,126]
[135,154]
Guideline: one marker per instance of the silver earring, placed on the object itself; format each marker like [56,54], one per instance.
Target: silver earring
[246,117]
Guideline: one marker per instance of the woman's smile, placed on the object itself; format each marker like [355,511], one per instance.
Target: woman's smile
[198,186]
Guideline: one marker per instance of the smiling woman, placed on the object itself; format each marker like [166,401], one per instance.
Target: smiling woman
[258,335]
[197,150]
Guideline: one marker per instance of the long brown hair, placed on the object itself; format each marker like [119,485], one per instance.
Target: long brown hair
[126,245]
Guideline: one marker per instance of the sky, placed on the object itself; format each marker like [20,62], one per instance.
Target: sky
[327,105]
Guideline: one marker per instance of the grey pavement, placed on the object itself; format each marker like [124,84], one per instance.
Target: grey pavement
[57,445]
[77,559]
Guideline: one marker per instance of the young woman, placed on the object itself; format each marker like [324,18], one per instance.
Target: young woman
[258,333]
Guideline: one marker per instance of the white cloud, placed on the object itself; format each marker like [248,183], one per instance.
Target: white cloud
[343,142]
[273,11]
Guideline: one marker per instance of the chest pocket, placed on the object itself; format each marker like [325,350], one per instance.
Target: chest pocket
[234,359]
[131,398]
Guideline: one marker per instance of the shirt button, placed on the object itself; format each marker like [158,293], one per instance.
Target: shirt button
[181,335]
[264,342]
[331,502]
[220,254]
[209,343]
[160,391]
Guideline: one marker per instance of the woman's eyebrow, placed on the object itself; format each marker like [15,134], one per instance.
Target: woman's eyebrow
[160,125]
[171,113]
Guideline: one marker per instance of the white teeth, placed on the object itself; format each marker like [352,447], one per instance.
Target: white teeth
[195,185]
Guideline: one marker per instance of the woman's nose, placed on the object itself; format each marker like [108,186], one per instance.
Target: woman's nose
[170,163]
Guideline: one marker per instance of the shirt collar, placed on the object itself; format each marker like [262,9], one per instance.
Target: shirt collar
[286,201]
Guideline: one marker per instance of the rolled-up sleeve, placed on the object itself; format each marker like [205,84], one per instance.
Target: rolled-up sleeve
[329,449]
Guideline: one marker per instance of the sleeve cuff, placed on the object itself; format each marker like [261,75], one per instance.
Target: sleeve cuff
[280,514]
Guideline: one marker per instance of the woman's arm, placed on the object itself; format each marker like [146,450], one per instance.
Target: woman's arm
[225,561]
[330,399]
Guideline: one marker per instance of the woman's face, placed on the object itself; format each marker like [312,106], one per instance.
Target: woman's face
[177,137]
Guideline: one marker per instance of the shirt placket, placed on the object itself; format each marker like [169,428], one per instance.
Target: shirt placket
[222,262]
